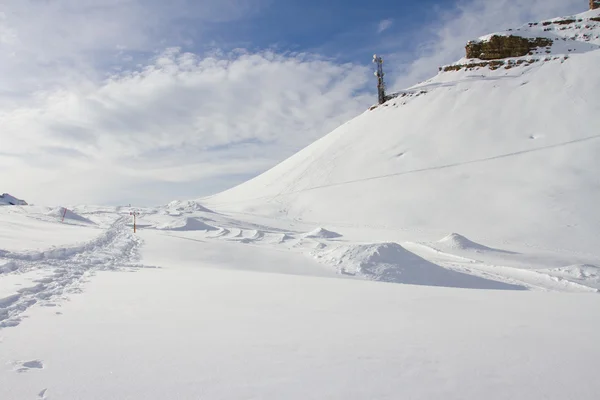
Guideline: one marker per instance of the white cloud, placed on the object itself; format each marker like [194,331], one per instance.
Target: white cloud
[181,119]
[182,125]
[384,25]
[54,43]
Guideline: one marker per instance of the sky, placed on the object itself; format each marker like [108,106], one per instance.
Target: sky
[146,101]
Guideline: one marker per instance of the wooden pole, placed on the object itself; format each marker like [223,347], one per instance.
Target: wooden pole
[134,213]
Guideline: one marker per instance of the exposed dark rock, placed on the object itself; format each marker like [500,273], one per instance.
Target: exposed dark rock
[499,47]
[493,65]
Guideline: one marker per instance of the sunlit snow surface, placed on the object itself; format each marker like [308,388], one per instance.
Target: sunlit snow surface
[441,246]
[200,304]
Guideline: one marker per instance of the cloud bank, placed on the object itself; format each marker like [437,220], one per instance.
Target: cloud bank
[182,119]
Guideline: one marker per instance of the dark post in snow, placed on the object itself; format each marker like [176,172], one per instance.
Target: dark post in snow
[134,214]
[379,74]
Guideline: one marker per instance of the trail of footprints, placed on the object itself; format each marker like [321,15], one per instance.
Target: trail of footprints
[68,268]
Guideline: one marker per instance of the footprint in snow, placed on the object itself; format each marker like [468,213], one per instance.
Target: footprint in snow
[24,366]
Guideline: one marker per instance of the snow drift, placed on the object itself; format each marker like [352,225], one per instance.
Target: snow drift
[60,212]
[186,224]
[391,262]
[455,241]
[187,206]
[509,155]
[322,233]
[8,200]
[585,274]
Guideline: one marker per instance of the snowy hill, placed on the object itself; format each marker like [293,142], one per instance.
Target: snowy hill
[505,154]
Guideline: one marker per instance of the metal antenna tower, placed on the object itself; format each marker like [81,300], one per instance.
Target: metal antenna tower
[379,74]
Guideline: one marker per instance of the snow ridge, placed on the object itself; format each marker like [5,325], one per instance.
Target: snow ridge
[390,262]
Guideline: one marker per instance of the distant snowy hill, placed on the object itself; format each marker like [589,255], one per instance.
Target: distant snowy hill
[8,200]
[500,150]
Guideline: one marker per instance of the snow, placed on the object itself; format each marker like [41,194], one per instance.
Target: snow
[257,308]
[208,333]
[390,262]
[572,34]
[6,199]
[67,215]
[322,233]
[443,245]
[459,242]
[503,157]
[588,275]
[31,228]
[186,224]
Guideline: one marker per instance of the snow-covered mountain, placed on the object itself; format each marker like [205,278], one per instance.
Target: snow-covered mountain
[501,150]
[448,190]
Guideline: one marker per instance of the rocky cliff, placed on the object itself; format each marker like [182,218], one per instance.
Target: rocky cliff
[549,40]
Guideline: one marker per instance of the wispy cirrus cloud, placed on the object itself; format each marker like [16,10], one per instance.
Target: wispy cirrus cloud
[183,118]
[384,25]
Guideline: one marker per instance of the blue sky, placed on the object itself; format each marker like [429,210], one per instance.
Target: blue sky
[147,101]
[348,30]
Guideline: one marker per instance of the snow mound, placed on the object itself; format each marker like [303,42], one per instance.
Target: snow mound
[8,200]
[583,272]
[455,241]
[390,262]
[188,206]
[220,232]
[282,238]
[10,266]
[186,224]
[322,233]
[58,213]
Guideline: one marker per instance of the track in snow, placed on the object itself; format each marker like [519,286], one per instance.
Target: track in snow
[67,268]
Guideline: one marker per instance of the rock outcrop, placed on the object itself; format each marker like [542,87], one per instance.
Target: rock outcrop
[500,47]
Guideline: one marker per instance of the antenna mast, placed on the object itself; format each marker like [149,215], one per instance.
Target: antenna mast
[379,74]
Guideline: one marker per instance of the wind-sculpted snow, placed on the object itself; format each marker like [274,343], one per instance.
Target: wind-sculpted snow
[186,224]
[459,242]
[67,268]
[586,274]
[390,262]
[322,233]
[59,213]
[186,206]
[9,266]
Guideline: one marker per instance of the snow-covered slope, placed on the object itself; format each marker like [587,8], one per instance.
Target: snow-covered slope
[502,156]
